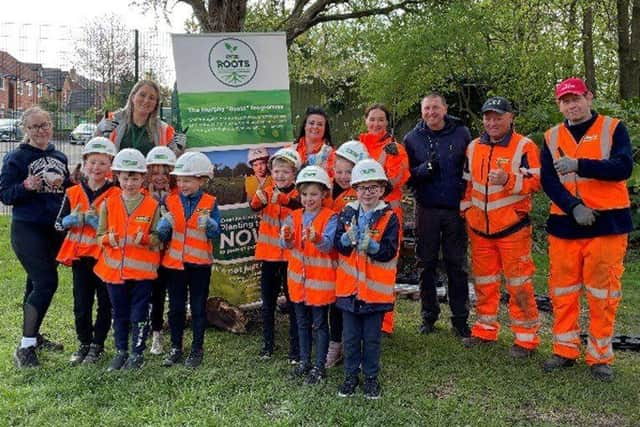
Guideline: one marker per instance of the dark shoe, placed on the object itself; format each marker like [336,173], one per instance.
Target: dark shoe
[134,362]
[348,388]
[372,388]
[78,356]
[47,344]
[173,357]
[602,372]
[461,331]
[294,358]
[518,352]
[301,370]
[266,353]
[427,328]
[26,357]
[118,361]
[471,342]
[556,362]
[95,353]
[316,375]
[195,358]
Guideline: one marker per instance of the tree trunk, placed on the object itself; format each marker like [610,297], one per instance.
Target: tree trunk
[219,15]
[587,48]
[628,28]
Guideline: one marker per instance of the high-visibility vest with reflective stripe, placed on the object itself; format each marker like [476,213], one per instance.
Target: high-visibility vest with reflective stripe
[81,241]
[347,196]
[324,157]
[358,274]
[311,274]
[596,145]
[189,242]
[272,217]
[128,262]
[494,208]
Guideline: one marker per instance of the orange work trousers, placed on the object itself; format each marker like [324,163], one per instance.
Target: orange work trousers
[511,256]
[594,264]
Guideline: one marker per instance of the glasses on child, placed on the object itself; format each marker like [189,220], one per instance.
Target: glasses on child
[367,188]
[41,126]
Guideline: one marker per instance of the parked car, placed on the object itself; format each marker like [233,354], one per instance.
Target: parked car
[82,133]
[10,130]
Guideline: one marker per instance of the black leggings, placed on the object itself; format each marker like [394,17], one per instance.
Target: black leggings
[36,247]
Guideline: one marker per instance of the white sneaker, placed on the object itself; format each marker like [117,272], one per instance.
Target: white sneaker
[156,344]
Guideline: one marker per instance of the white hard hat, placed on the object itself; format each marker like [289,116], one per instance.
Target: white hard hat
[193,163]
[161,155]
[99,145]
[314,174]
[129,160]
[353,151]
[367,170]
[288,154]
[257,153]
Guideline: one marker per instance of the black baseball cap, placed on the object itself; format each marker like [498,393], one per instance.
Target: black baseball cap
[498,104]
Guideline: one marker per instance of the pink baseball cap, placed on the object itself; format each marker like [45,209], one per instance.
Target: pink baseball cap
[573,85]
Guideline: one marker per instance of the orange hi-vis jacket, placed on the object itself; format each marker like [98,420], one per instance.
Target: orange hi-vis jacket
[311,275]
[596,145]
[358,274]
[396,166]
[129,261]
[189,243]
[491,209]
[81,241]
[272,217]
[324,152]
[347,196]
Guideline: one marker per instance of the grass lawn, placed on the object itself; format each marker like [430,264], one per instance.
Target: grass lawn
[426,380]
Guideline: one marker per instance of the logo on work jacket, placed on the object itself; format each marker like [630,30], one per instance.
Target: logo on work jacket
[233,62]
[145,219]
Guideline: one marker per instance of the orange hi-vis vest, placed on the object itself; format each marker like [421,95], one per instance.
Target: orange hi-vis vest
[129,261]
[325,155]
[272,217]
[81,241]
[189,243]
[311,275]
[347,196]
[358,274]
[596,145]
[495,208]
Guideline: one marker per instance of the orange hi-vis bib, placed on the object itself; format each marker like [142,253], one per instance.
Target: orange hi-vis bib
[272,217]
[189,243]
[495,208]
[371,281]
[596,145]
[81,241]
[347,196]
[311,275]
[129,261]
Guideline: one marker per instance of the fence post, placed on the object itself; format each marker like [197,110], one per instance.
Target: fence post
[136,55]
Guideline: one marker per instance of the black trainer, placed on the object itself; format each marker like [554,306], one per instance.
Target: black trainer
[174,356]
[301,370]
[195,358]
[427,328]
[46,344]
[95,353]
[294,358]
[602,372]
[26,357]
[118,361]
[372,388]
[316,375]
[461,330]
[556,362]
[349,387]
[78,356]
[134,362]
[266,353]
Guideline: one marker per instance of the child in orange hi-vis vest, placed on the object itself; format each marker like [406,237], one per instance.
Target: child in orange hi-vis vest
[308,235]
[160,162]
[275,203]
[79,215]
[367,242]
[189,226]
[130,257]
[347,155]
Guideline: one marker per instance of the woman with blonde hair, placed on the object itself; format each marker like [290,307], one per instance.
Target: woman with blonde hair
[33,180]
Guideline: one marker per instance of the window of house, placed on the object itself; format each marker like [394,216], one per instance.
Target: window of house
[39,91]
[1,83]
[29,89]
[20,88]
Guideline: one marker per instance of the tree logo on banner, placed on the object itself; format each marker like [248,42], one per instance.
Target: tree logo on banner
[233,62]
